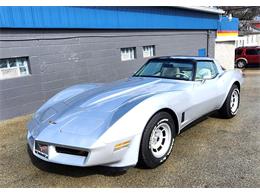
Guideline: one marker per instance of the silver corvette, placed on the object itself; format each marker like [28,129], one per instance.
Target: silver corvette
[134,120]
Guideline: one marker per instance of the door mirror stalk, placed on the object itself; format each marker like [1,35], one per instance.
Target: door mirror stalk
[202,81]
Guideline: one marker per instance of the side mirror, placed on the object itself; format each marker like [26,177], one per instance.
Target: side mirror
[204,78]
[207,77]
[202,81]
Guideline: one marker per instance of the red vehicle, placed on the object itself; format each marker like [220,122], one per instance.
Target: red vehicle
[245,56]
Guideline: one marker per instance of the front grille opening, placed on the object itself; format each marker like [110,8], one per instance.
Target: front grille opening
[71,151]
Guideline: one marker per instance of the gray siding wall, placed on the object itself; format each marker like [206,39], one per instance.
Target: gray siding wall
[61,58]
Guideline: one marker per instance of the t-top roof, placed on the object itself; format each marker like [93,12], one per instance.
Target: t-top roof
[183,58]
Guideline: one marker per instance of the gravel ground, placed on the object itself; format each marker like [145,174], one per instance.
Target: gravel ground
[213,153]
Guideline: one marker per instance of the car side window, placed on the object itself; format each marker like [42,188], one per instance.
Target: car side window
[238,52]
[251,52]
[205,70]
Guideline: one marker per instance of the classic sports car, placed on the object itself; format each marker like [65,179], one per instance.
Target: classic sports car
[134,120]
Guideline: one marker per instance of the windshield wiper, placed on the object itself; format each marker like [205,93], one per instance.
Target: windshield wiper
[160,77]
[146,76]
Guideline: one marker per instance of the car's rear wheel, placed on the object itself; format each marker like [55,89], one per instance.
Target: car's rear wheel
[157,140]
[241,64]
[231,104]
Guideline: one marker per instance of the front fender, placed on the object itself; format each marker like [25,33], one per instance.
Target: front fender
[131,125]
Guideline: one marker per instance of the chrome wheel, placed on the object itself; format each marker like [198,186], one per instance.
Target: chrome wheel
[160,139]
[234,102]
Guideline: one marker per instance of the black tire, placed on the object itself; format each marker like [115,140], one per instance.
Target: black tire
[146,156]
[226,109]
[241,64]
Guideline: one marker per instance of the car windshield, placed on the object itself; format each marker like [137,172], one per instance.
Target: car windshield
[167,68]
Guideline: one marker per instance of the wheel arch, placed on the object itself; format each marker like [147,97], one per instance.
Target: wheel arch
[237,84]
[173,115]
[241,59]
[175,119]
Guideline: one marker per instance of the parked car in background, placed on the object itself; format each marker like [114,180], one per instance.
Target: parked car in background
[247,56]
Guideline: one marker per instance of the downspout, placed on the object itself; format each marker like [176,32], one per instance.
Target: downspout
[208,39]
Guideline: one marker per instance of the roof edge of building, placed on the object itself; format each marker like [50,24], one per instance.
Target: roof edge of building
[203,9]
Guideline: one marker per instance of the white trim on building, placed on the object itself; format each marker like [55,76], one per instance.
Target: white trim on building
[248,40]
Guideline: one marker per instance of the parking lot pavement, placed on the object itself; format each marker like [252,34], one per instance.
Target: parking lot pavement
[213,153]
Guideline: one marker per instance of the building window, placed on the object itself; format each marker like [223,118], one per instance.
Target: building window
[148,51]
[128,53]
[14,67]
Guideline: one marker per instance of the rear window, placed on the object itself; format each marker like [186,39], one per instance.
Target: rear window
[252,51]
[238,52]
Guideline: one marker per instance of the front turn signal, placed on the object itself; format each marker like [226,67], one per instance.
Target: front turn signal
[121,145]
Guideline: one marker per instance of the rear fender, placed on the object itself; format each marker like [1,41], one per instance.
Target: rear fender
[231,77]
[241,59]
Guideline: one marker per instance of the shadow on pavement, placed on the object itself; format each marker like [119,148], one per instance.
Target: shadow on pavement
[74,171]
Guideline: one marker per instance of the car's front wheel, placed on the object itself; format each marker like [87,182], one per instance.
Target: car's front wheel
[157,140]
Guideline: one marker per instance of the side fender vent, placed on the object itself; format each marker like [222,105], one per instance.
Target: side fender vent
[183,117]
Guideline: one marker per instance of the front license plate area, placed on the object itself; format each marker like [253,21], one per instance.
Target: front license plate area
[42,149]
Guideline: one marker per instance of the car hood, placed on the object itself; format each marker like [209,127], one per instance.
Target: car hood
[94,111]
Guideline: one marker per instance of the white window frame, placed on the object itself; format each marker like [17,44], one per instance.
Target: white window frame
[128,53]
[20,62]
[148,51]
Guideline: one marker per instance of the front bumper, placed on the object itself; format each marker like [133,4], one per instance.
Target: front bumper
[75,156]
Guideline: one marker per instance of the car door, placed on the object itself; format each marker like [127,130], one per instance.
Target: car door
[205,94]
